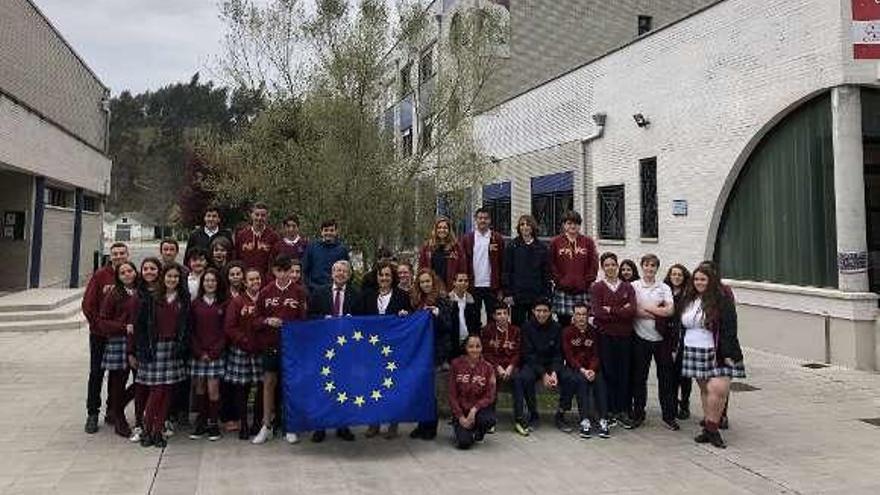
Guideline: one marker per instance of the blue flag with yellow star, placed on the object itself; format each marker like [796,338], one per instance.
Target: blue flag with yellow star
[358,370]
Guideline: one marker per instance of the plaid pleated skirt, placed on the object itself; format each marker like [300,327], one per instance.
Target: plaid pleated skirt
[243,368]
[166,367]
[563,302]
[700,364]
[215,368]
[115,357]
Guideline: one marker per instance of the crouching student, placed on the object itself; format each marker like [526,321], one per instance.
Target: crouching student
[541,360]
[280,301]
[244,364]
[116,319]
[501,342]
[581,376]
[208,365]
[471,394]
[159,348]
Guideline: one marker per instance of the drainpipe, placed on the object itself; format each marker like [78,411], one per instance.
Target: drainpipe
[599,121]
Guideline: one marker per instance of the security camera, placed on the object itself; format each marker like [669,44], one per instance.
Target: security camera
[599,119]
[641,120]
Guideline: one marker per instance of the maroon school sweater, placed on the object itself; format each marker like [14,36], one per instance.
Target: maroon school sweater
[617,319]
[99,285]
[208,336]
[470,385]
[240,324]
[288,303]
[254,250]
[581,347]
[117,311]
[496,254]
[573,265]
[166,319]
[501,348]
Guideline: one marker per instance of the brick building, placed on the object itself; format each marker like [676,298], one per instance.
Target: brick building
[54,169]
[746,133]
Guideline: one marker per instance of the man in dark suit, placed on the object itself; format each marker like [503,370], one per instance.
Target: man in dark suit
[201,237]
[340,298]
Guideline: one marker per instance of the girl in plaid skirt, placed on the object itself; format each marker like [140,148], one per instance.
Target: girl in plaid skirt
[116,320]
[243,362]
[208,365]
[711,354]
[159,347]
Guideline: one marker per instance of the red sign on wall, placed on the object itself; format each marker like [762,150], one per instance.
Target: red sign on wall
[866,29]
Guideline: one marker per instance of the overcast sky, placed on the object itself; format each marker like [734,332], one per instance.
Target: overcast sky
[139,44]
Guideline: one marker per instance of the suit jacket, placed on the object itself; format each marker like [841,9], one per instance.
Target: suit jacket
[321,301]
[399,301]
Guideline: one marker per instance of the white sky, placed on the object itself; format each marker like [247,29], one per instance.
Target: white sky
[140,44]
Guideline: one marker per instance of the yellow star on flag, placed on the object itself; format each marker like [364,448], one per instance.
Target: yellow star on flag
[341,397]
[329,386]
[391,366]
[330,354]
[374,339]
[341,340]
[325,370]
[386,350]
[359,401]
[357,335]
[376,395]
[388,383]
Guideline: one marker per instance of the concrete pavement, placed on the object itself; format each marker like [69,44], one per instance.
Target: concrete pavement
[800,433]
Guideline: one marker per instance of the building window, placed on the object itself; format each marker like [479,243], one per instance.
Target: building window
[90,204]
[552,196]
[611,213]
[496,199]
[426,134]
[456,206]
[57,197]
[426,65]
[406,140]
[646,24]
[648,175]
[406,79]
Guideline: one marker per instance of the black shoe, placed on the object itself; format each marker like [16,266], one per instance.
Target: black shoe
[345,434]
[724,424]
[684,411]
[703,437]
[417,433]
[429,434]
[318,436]
[146,439]
[562,423]
[109,419]
[625,422]
[159,441]
[91,424]
[716,440]
[672,424]
[479,435]
[214,432]
[635,422]
[244,434]
[199,431]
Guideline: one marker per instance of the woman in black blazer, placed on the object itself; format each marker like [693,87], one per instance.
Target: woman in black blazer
[385,299]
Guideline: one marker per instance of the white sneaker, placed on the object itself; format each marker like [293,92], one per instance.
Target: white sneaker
[291,438]
[169,429]
[136,434]
[263,436]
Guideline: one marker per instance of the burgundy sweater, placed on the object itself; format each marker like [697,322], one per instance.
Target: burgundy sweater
[454,260]
[99,285]
[207,336]
[501,348]
[289,304]
[255,250]
[573,266]
[496,254]
[116,312]
[617,321]
[470,385]
[581,348]
[166,319]
[295,251]
[240,323]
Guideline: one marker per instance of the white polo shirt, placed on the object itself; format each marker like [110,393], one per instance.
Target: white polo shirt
[482,268]
[650,295]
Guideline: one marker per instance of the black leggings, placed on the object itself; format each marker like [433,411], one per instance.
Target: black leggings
[615,353]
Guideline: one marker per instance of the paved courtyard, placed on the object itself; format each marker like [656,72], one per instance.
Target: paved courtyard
[800,433]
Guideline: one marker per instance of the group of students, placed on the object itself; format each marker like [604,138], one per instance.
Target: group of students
[205,337]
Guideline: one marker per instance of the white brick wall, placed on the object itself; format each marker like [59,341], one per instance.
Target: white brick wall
[35,146]
[710,85]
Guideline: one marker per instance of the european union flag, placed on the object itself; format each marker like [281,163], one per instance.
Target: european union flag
[358,370]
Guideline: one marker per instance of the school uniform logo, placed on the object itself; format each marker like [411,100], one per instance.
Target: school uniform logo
[288,302]
[478,380]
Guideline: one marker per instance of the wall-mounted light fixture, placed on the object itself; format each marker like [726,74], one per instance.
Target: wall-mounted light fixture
[641,120]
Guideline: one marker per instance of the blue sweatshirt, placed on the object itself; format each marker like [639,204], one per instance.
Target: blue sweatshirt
[318,262]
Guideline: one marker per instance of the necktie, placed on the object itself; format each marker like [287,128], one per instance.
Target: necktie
[337,301]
